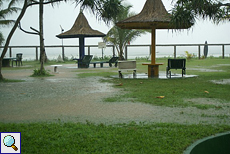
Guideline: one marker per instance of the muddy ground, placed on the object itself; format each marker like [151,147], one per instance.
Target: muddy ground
[66,97]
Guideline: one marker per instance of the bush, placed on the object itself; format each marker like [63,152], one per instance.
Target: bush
[188,55]
[96,58]
[38,73]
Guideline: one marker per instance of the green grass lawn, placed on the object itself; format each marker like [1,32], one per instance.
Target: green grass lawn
[157,138]
[174,90]
[80,138]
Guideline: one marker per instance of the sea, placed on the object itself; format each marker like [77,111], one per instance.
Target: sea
[133,52]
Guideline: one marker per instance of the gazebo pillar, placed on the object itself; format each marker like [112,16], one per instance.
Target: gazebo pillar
[81,47]
[153,47]
[81,51]
[153,68]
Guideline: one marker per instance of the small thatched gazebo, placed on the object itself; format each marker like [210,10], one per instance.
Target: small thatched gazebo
[81,29]
[153,16]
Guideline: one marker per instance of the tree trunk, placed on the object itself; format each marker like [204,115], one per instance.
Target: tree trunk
[1,77]
[10,36]
[121,56]
[42,47]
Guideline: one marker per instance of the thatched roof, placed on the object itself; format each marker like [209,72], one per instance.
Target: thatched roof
[153,15]
[81,28]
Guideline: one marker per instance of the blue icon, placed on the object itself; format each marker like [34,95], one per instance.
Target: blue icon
[9,141]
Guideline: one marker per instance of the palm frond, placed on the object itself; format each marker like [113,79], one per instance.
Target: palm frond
[10,10]
[104,10]
[185,12]
[1,39]
[120,37]
[12,3]
[4,23]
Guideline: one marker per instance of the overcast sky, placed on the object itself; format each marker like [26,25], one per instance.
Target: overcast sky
[66,13]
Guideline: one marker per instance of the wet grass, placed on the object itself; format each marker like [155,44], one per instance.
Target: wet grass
[123,138]
[175,91]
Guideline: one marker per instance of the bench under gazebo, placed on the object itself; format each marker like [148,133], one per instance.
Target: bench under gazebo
[153,16]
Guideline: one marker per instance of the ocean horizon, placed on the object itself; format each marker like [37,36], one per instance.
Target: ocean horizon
[133,52]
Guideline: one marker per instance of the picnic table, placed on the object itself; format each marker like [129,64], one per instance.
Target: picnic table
[6,61]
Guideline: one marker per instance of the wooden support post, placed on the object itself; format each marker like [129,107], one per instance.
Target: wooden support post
[88,50]
[36,53]
[10,54]
[174,51]
[81,47]
[150,48]
[198,51]
[153,54]
[63,53]
[223,51]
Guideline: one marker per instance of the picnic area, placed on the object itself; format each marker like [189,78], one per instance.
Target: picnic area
[108,109]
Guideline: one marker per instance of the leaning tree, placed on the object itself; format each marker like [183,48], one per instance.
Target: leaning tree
[27,3]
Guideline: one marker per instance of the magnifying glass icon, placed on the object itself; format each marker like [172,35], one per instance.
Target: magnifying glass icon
[9,141]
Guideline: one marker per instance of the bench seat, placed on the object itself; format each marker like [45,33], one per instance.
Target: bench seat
[97,62]
[175,64]
[127,66]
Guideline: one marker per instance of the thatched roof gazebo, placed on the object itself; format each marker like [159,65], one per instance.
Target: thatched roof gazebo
[81,29]
[153,16]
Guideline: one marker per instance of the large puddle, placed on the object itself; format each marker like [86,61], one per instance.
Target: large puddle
[68,98]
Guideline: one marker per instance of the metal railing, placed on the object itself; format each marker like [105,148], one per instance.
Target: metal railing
[88,51]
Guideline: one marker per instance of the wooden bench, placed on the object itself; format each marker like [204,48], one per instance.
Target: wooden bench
[112,60]
[84,62]
[97,62]
[175,64]
[126,66]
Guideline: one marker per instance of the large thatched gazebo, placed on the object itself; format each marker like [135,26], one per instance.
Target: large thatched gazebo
[153,16]
[81,29]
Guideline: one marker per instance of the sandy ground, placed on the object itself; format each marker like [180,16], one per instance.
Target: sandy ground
[66,97]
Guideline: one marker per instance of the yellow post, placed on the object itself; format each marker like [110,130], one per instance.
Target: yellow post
[153,55]
[153,68]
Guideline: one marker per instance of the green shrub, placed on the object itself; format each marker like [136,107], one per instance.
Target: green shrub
[188,55]
[40,73]
[96,58]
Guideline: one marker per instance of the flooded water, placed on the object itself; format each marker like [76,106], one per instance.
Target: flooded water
[66,97]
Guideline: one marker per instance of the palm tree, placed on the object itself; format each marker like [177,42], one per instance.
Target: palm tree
[3,14]
[120,37]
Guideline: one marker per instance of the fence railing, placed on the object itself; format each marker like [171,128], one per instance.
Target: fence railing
[180,45]
[127,47]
